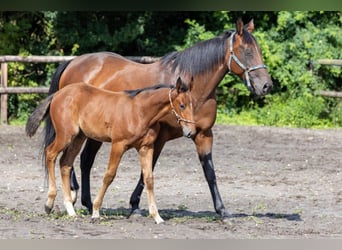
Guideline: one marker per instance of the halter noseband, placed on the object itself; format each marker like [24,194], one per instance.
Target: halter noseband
[245,69]
[179,118]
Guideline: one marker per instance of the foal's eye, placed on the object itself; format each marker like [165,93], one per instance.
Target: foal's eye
[182,106]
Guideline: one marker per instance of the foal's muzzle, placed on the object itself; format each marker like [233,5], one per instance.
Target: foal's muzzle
[187,132]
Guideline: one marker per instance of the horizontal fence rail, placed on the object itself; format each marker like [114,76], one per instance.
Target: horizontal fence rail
[5,90]
[330,62]
[24,90]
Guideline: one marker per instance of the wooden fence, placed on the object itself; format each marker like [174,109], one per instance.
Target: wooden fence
[5,90]
[331,62]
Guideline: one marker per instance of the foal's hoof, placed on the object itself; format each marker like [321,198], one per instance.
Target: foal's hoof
[47,209]
[95,220]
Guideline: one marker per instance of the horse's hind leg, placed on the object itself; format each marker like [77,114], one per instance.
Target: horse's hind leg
[66,163]
[51,153]
[87,159]
[50,158]
[146,154]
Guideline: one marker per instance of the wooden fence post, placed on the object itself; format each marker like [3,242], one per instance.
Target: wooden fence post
[3,104]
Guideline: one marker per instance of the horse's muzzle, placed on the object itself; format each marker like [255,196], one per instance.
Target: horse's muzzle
[268,86]
[187,132]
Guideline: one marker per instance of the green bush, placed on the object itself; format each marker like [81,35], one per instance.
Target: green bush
[291,42]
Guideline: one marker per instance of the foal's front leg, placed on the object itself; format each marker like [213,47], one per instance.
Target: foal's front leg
[114,160]
[146,155]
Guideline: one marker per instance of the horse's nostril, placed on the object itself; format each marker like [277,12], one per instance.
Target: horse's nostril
[267,87]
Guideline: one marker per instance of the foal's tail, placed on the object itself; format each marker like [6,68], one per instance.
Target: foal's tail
[38,115]
[49,130]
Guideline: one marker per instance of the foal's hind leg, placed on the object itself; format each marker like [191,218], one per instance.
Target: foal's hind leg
[146,154]
[50,158]
[51,153]
[66,163]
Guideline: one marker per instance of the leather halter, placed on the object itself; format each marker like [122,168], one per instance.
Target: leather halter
[178,116]
[245,69]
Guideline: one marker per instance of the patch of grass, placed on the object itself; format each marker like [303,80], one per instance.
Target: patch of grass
[182,207]
[257,220]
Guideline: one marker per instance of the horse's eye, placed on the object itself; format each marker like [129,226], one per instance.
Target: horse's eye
[182,106]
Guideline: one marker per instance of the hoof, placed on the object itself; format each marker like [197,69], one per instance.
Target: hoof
[95,220]
[47,209]
[159,221]
[136,213]
[88,205]
[226,218]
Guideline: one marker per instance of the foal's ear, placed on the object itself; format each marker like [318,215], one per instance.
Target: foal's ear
[181,86]
[239,26]
[250,26]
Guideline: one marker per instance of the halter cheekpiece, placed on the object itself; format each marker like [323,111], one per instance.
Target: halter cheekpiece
[179,118]
[245,69]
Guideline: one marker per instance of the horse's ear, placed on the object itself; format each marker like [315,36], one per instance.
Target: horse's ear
[181,86]
[250,26]
[239,26]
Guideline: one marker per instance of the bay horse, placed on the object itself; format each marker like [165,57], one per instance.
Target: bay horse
[207,62]
[126,119]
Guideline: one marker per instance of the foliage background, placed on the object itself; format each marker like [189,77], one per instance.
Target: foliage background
[291,41]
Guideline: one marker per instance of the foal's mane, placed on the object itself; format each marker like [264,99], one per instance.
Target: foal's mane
[135,92]
[202,57]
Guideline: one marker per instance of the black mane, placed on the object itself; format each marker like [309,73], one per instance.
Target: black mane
[200,58]
[135,92]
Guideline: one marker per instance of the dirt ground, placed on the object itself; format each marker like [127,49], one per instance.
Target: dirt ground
[276,183]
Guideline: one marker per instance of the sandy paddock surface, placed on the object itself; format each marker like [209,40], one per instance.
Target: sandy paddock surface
[276,183]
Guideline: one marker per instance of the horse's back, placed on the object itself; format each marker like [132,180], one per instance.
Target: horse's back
[110,71]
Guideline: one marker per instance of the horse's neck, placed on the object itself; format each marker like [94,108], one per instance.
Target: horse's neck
[205,85]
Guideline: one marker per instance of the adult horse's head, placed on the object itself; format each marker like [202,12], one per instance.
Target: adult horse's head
[245,59]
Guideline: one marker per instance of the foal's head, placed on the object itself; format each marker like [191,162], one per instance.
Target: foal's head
[181,107]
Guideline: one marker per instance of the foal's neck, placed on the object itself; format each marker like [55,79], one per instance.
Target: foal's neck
[154,104]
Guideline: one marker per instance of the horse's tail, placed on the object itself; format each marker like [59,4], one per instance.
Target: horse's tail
[38,115]
[49,131]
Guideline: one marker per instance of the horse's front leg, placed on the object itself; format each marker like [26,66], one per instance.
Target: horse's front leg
[114,160]
[135,197]
[146,155]
[204,143]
